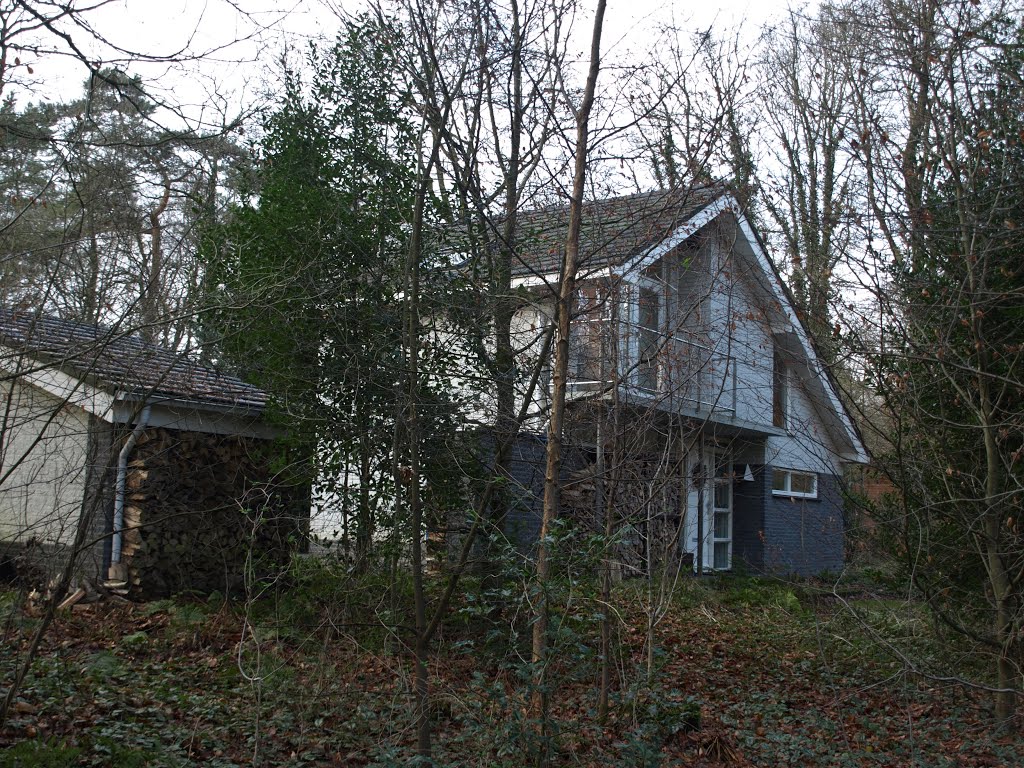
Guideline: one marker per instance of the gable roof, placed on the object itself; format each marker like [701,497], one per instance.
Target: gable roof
[623,235]
[614,230]
[121,363]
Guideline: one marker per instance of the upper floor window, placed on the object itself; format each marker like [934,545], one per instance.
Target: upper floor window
[649,321]
[588,345]
[781,394]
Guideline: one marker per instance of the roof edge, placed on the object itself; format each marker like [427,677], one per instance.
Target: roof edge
[859,454]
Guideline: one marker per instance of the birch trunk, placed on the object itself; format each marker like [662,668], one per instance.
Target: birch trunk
[563,306]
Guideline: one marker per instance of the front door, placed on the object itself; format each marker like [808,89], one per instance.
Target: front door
[721,514]
[710,496]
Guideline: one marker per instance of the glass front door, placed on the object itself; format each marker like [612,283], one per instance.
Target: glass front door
[709,504]
[721,514]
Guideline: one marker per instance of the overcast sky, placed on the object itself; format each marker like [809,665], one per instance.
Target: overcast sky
[235,52]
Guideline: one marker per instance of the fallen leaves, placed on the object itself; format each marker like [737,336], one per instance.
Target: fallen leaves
[767,695]
[24,708]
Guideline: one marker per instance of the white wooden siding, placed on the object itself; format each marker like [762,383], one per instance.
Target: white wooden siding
[737,317]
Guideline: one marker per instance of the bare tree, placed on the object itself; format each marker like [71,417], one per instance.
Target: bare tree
[560,365]
[937,91]
[808,179]
[694,123]
[500,121]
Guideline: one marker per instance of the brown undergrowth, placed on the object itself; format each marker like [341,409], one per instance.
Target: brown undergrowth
[747,673]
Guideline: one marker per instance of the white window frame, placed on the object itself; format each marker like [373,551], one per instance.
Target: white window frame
[787,483]
[725,480]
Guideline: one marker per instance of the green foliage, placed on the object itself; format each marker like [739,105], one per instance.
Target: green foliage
[512,737]
[752,592]
[103,665]
[659,716]
[955,390]
[135,640]
[187,614]
[307,272]
[307,285]
[42,753]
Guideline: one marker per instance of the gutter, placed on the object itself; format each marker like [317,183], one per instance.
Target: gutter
[239,407]
[245,420]
[122,472]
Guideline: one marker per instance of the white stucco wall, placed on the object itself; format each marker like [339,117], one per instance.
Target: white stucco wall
[44,447]
[528,333]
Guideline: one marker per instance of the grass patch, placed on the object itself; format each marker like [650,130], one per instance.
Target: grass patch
[41,753]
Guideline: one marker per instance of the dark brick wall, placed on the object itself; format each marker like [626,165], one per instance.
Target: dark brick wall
[526,468]
[748,518]
[525,488]
[770,533]
[804,536]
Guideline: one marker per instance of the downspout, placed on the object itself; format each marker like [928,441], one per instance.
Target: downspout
[122,473]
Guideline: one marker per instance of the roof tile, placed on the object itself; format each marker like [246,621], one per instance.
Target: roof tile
[614,229]
[115,359]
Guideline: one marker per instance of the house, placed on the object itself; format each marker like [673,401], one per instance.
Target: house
[697,402]
[147,465]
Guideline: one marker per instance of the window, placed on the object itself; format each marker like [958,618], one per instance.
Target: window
[649,321]
[780,392]
[587,343]
[787,482]
[721,529]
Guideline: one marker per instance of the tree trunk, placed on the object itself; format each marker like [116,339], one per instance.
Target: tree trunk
[999,578]
[504,307]
[606,499]
[149,304]
[563,307]
[421,648]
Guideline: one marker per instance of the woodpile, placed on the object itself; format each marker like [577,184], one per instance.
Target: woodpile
[197,510]
[647,508]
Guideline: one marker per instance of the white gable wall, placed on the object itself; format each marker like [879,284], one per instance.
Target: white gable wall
[739,331]
[737,315]
[45,452]
[807,446]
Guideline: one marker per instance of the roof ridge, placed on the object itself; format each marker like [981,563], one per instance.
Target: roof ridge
[681,191]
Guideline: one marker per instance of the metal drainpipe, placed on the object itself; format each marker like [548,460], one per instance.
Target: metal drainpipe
[122,472]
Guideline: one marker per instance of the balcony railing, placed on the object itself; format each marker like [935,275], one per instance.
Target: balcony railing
[670,369]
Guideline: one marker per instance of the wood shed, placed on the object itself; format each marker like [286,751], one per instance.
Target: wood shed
[151,471]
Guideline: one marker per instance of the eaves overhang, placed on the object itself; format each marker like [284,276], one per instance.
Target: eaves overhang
[121,407]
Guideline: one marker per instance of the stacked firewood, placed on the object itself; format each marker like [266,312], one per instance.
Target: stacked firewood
[646,513]
[198,509]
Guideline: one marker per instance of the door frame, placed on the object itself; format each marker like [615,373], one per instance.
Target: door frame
[720,460]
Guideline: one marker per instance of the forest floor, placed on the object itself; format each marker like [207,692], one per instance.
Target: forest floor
[743,672]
